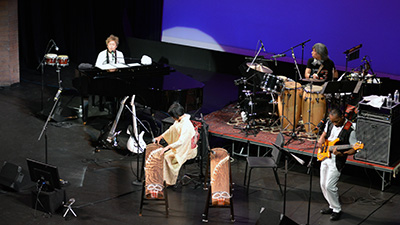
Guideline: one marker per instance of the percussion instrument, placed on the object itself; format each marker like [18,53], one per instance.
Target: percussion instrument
[62,60]
[271,83]
[313,107]
[259,67]
[286,104]
[154,172]
[50,59]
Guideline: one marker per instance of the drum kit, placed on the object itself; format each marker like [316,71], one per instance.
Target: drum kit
[293,100]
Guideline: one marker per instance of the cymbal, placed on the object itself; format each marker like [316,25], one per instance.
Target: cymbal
[312,80]
[259,68]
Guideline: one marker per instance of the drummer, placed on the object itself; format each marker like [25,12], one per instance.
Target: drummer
[320,66]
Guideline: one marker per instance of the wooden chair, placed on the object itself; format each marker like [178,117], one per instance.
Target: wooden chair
[265,162]
[220,187]
[154,187]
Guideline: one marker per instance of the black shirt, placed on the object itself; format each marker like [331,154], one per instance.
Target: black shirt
[326,71]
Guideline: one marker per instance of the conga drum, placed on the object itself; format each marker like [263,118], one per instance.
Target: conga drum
[220,182]
[286,104]
[313,107]
[154,174]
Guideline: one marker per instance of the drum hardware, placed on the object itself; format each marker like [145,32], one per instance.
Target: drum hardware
[293,135]
[316,109]
[286,100]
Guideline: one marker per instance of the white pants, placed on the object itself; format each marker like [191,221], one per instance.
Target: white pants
[329,177]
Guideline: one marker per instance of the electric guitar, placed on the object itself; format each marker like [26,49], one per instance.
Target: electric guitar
[132,144]
[112,136]
[325,151]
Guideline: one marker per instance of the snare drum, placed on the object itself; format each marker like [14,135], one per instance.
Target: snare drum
[286,104]
[271,83]
[62,60]
[314,107]
[50,59]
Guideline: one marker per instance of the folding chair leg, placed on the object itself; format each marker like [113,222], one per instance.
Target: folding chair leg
[205,214]
[166,199]
[142,199]
[248,181]
[245,173]
[277,180]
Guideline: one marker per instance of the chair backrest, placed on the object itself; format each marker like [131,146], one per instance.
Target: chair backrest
[276,153]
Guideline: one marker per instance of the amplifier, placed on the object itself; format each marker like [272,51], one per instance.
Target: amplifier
[383,114]
[380,141]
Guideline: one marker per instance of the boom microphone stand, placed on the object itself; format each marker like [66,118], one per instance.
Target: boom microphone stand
[293,135]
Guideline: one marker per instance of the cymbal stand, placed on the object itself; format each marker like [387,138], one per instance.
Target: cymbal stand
[249,118]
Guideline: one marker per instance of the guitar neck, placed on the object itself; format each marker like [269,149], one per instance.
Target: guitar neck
[114,126]
[134,124]
[340,147]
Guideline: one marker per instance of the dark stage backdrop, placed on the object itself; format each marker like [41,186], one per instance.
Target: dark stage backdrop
[80,28]
[237,26]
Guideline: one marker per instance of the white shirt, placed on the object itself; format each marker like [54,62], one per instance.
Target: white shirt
[102,58]
[336,131]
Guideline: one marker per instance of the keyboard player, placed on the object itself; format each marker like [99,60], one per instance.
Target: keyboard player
[110,55]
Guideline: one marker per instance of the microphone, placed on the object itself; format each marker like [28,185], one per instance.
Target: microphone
[278,56]
[320,124]
[55,45]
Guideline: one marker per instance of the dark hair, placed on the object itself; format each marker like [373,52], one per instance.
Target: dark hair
[336,112]
[322,50]
[176,110]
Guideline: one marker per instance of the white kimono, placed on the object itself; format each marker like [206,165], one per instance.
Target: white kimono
[181,136]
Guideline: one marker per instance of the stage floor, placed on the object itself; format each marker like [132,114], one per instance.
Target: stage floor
[227,123]
[101,182]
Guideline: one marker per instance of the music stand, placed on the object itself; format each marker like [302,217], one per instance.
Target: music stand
[300,161]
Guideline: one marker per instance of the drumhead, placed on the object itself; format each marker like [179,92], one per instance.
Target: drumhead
[50,55]
[292,85]
[63,56]
[313,88]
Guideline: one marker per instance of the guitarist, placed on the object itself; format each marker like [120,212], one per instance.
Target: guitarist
[336,127]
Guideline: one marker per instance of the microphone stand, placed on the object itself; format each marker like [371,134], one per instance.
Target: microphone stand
[138,171]
[310,171]
[255,57]
[56,101]
[41,64]
[293,135]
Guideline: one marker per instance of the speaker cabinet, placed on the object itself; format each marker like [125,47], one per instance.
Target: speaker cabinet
[48,202]
[14,177]
[379,141]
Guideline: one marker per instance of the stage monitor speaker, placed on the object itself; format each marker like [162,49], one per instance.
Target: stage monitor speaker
[272,217]
[14,177]
[380,141]
[48,202]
